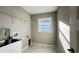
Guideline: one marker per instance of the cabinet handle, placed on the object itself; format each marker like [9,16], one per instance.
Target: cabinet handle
[27,36]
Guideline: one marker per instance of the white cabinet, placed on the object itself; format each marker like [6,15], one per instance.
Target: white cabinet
[23,29]
[15,47]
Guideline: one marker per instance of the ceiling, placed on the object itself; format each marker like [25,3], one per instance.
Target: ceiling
[39,9]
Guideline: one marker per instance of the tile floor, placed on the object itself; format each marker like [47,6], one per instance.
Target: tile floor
[40,49]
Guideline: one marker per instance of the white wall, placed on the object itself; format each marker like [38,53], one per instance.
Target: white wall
[16,11]
[18,20]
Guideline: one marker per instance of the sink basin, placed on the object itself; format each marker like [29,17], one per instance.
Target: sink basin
[14,40]
[9,41]
[2,42]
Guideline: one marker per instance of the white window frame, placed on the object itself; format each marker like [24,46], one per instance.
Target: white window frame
[50,25]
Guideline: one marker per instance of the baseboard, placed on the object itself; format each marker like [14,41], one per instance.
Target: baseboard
[23,49]
[44,45]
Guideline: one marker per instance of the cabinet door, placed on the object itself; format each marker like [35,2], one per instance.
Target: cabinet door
[28,34]
[18,27]
[15,47]
[23,29]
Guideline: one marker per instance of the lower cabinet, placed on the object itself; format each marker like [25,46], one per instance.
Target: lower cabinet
[15,47]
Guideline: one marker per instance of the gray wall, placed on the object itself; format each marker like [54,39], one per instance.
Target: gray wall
[70,16]
[18,20]
[63,16]
[74,23]
[44,37]
[73,17]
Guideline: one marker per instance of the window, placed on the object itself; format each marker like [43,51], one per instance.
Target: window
[44,24]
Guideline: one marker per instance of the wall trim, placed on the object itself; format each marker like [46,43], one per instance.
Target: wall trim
[44,45]
[23,49]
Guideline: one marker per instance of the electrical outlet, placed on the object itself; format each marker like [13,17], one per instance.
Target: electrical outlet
[15,34]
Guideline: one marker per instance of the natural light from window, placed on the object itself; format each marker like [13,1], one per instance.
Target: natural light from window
[44,24]
[65,29]
[64,35]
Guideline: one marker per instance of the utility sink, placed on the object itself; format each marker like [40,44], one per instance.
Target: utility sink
[13,40]
[9,41]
